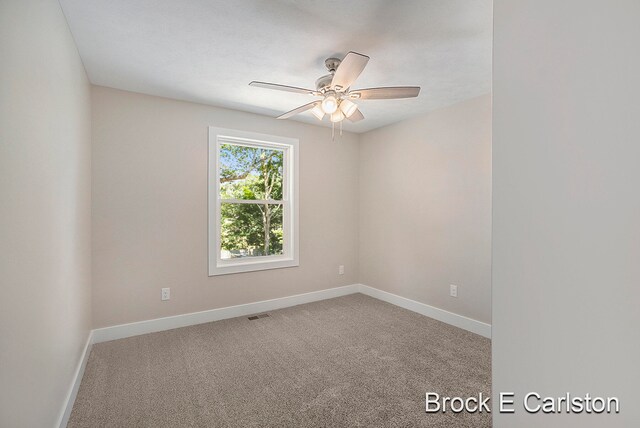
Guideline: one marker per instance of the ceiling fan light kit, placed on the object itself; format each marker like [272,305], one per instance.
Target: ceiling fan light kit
[336,93]
[337,116]
[348,107]
[318,111]
[329,103]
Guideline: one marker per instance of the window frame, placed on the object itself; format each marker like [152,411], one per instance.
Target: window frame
[290,245]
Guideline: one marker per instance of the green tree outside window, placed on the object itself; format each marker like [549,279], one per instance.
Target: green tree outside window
[251,174]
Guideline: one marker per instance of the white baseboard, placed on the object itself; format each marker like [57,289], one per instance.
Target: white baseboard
[177,321]
[160,324]
[456,320]
[63,419]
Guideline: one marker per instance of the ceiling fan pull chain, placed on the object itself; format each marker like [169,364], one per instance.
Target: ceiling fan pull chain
[333,131]
[341,128]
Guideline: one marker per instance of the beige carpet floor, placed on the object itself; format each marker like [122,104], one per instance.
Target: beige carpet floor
[353,361]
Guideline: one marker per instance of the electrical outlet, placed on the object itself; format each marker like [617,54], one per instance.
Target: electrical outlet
[453,290]
[166,293]
[341,270]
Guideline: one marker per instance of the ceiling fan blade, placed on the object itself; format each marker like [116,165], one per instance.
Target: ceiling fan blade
[385,93]
[300,109]
[356,116]
[349,70]
[283,88]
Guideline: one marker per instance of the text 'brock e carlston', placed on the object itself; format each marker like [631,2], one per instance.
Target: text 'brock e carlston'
[532,402]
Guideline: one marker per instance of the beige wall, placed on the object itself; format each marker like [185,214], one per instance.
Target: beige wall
[425,208]
[566,205]
[45,217]
[150,214]
[150,209]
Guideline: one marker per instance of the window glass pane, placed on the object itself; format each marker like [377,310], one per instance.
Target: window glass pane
[250,172]
[243,229]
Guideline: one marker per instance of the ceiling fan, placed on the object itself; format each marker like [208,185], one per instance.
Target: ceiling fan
[336,93]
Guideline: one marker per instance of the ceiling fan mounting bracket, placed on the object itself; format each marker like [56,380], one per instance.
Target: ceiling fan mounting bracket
[332,64]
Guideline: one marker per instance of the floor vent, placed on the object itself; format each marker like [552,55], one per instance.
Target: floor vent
[255,317]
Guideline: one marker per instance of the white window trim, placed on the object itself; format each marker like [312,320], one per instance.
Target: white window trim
[291,249]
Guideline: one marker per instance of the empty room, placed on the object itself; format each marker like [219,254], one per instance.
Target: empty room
[318,214]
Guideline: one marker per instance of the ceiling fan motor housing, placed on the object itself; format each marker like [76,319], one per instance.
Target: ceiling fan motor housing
[323,84]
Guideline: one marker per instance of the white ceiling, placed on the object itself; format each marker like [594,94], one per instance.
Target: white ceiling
[208,51]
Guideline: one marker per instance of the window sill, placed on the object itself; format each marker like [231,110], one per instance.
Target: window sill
[229,267]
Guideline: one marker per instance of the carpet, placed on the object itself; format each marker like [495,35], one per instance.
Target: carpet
[352,361]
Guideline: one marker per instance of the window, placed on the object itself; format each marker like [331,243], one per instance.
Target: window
[253,206]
